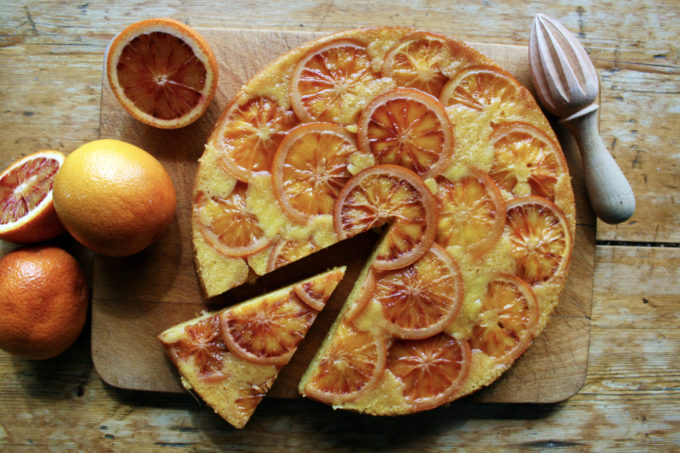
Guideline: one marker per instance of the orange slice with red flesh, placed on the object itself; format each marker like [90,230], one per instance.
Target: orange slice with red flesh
[162,72]
[388,193]
[507,321]
[351,366]
[407,127]
[526,160]
[249,135]
[540,239]
[288,250]
[432,370]
[26,210]
[316,292]
[478,87]
[227,225]
[310,168]
[422,299]
[328,80]
[471,212]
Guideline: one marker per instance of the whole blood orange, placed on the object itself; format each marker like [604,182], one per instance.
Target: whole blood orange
[114,197]
[43,301]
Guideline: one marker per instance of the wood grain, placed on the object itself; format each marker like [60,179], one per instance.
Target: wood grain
[136,298]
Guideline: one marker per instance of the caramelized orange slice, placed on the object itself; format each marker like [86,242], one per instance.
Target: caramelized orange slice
[249,133]
[204,345]
[420,300]
[526,160]
[507,321]
[317,291]
[388,193]
[310,168]
[471,212]
[288,250]
[407,127]
[328,80]
[478,87]
[351,366]
[540,237]
[432,370]
[228,226]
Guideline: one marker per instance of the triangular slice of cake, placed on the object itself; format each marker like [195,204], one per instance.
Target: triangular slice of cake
[231,357]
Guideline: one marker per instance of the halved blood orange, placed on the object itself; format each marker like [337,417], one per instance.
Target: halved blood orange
[310,168]
[471,212]
[507,320]
[269,331]
[288,250]
[203,343]
[526,160]
[540,238]
[432,370]
[478,87]
[388,193]
[252,395]
[362,299]
[328,81]
[249,133]
[351,366]
[420,300]
[316,292]
[419,62]
[407,127]
[26,210]
[227,224]
[162,72]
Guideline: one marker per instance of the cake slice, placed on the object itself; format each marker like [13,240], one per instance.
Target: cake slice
[231,357]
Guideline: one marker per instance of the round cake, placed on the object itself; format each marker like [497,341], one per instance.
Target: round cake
[424,136]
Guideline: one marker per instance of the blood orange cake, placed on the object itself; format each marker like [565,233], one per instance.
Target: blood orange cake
[419,132]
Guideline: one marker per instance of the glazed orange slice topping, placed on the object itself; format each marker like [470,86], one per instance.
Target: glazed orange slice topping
[407,127]
[228,226]
[420,300]
[526,160]
[507,321]
[204,345]
[471,212]
[310,168]
[350,367]
[316,292]
[288,250]
[432,370]
[388,193]
[540,238]
[249,135]
[329,80]
[478,87]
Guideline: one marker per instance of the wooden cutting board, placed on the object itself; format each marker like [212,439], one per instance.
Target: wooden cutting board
[136,298]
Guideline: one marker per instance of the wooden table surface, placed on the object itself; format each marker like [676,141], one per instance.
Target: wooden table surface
[51,56]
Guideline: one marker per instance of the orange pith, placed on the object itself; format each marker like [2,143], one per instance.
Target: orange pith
[419,63]
[251,134]
[268,332]
[328,79]
[471,212]
[432,370]
[540,239]
[316,292]
[228,226]
[205,345]
[420,300]
[288,250]
[385,193]
[478,87]
[352,365]
[310,168]
[526,156]
[407,127]
[505,326]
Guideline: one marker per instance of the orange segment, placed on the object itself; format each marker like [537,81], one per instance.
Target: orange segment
[228,226]
[420,300]
[350,367]
[507,321]
[288,250]
[432,370]
[526,160]
[267,332]
[478,87]
[162,72]
[252,395]
[388,193]
[310,168]
[540,237]
[249,133]
[26,209]
[328,81]
[471,212]
[407,127]
[316,292]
